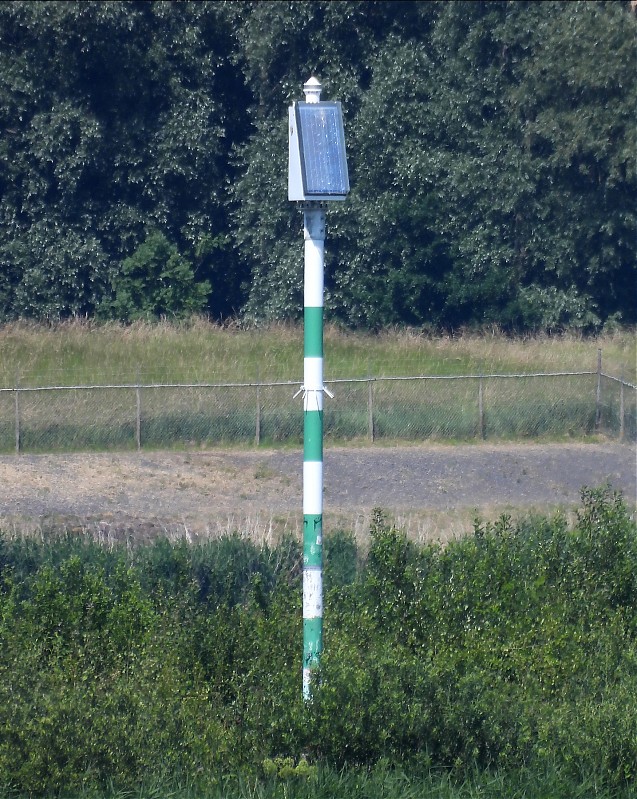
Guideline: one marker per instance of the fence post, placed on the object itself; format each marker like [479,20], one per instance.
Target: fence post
[138,414]
[598,393]
[370,410]
[621,407]
[257,432]
[17,416]
[480,409]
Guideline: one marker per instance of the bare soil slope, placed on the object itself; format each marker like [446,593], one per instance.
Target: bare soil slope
[433,491]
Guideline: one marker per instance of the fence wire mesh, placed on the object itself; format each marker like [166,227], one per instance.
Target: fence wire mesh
[535,407]
[70,418]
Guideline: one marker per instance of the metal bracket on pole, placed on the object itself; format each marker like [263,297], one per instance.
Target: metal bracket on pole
[306,391]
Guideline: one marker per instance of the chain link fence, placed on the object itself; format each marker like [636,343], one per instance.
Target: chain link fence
[458,408]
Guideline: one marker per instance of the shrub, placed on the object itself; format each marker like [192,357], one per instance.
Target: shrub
[513,650]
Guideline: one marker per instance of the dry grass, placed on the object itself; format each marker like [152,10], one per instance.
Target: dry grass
[262,527]
[439,526]
[198,351]
[487,353]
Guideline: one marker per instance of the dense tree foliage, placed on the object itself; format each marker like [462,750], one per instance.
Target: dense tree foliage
[116,119]
[491,148]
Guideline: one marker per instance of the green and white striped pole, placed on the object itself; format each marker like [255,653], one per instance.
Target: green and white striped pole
[313,388]
[317,174]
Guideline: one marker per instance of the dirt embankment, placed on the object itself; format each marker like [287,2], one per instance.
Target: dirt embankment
[433,491]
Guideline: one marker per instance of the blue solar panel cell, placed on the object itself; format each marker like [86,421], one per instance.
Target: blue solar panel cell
[322,146]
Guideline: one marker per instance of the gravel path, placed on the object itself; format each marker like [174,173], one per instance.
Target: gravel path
[434,490]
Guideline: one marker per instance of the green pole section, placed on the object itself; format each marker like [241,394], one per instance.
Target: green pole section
[314,233]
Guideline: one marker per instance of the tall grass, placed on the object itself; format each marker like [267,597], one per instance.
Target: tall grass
[414,409]
[197,351]
[381,782]
[81,353]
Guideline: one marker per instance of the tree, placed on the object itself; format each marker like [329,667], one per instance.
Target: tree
[529,145]
[393,260]
[491,149]
[281,45]
[576,106]
[154,282]
[130,129]
[491,159]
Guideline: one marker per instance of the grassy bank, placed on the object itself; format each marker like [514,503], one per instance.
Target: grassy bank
[199,352]
[495,408]
[501,665]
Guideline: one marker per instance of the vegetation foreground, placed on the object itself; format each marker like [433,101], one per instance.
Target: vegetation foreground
[504,664]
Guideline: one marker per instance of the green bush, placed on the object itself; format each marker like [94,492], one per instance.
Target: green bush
[512,651]
[155,281]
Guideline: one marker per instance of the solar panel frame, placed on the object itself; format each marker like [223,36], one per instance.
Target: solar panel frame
[321,140]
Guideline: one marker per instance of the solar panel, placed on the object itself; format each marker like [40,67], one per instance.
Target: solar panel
[322,149]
